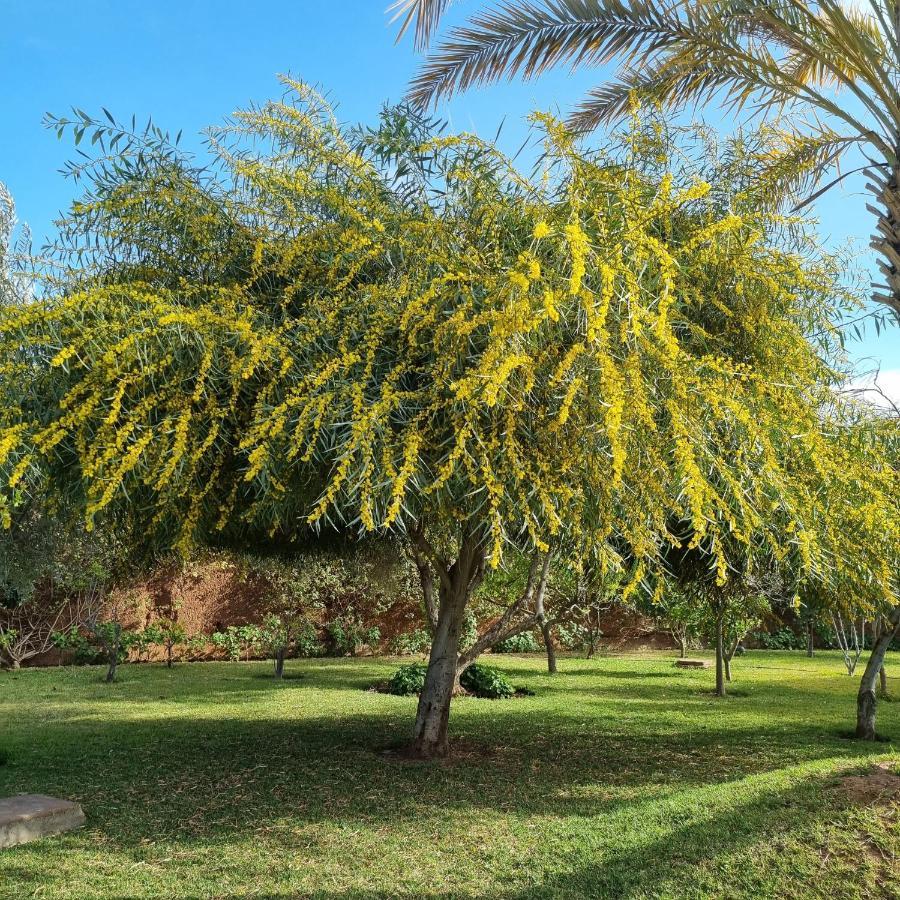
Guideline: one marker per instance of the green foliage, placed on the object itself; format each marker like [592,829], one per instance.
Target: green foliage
[98,641]
[412,642]
[168,634]
[486,681]
[408,679]
[782,639]
[469,632]
[290,637]
[348,636]
[523,642]
[237,640]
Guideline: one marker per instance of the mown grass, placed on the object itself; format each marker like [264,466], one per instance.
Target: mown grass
[620,777]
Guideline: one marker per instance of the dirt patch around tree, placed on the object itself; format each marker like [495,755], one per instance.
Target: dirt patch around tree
[881,784]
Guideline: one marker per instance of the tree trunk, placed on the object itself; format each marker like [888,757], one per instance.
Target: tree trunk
[727,661]
[111,670]
[882,678]
[810,631]
[720,658]
[866,699]
[15,664]
[456,585]
[886,241]
[169,649]
[279,662]
[682,646]
[433,714]
[550,647]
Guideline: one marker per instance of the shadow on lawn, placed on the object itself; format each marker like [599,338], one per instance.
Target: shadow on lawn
[197,782]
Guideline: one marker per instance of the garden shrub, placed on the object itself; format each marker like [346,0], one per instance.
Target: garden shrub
[783,639]
[411,643]
[348,635]
[524,642]
[237,640]
[407,680]
[486,681]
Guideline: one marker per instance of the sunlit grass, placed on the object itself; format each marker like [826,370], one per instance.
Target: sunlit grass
[621,777]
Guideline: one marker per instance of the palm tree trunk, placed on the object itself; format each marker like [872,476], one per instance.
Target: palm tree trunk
[887,239]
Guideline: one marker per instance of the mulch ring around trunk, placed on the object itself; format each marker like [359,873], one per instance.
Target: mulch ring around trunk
[880,784]
[383,687]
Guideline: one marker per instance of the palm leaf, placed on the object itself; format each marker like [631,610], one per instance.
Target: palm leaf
[426,14]
[528,38]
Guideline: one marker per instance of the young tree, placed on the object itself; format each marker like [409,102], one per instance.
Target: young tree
[395,332]
[850,640]
[169,634]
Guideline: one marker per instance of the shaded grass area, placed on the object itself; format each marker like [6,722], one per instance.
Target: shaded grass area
[620,777]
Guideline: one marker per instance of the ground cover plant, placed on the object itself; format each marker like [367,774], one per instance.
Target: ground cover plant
[620,777]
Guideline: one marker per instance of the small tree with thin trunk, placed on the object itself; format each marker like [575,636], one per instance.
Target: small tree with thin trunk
[849,638]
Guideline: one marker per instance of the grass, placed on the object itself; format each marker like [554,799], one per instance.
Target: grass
[621,777]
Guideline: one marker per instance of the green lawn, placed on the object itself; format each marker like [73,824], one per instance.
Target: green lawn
[621,777]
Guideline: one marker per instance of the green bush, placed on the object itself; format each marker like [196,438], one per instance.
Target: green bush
[486,681]
[524,642]
[237,640]
[409,644]
[408,680]
[783,639]
[347,635]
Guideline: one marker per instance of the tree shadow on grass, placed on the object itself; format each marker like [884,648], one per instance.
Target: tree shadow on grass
[207,779]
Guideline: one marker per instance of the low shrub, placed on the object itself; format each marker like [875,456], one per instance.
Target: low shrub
[409,644]
[486,681]
[524,642]
[348,636]
[237,640]
[783,639]
[407,680]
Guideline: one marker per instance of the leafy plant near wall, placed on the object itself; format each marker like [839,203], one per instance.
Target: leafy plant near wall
[237,641]
[525,642]
[412,642]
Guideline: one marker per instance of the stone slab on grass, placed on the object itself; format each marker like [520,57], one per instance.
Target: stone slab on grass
[29,817]
[693,663]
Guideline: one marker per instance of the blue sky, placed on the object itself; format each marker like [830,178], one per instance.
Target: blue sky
[192,62]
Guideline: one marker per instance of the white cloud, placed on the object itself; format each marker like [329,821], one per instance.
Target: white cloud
[882,388]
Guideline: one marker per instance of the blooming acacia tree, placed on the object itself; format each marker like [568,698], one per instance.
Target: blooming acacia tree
[396,331]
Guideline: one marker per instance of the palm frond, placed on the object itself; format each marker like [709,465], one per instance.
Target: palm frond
[528,38]
[426,14]
[795,162]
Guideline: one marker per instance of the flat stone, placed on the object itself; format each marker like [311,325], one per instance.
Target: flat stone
[29,817]
[693,663]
